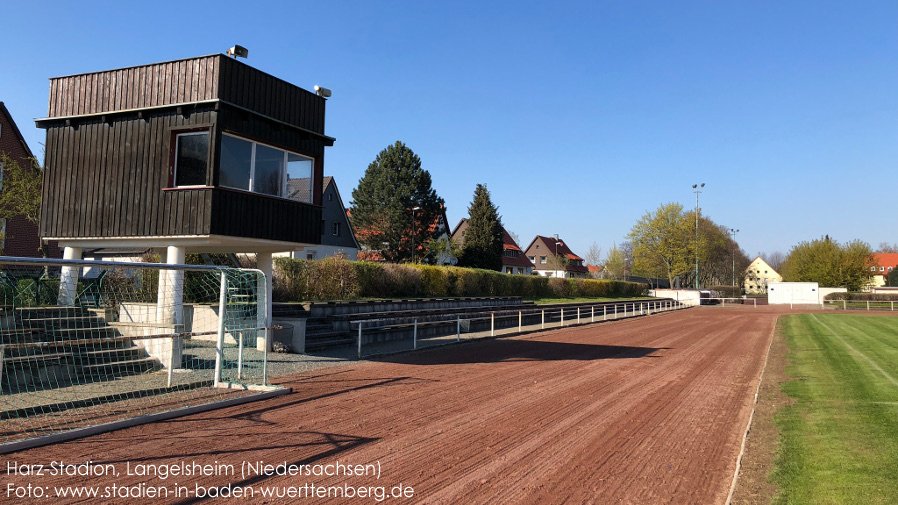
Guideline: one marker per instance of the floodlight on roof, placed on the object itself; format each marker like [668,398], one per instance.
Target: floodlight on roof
[238,51]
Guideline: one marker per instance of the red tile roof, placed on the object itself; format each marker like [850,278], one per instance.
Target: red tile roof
[562,250]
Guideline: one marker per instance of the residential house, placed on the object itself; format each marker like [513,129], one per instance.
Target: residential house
[438,229]
[757,275]
[18,236]
[881,266]
[192,155]
[551,257]
[514,261]
[337,235]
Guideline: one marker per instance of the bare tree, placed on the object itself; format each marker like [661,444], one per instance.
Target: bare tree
[774,259]
[885,247]
[594,257]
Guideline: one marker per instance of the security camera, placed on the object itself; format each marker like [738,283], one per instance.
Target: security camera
[322,92]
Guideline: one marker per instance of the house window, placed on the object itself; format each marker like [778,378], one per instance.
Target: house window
[330,197]
[542,260]
[336,229]
[882,269]
[191,158]
[532,259]
[259,168]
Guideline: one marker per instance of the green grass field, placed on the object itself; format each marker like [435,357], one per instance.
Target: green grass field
[839,439]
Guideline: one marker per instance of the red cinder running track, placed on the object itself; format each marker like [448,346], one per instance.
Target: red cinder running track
[651,410]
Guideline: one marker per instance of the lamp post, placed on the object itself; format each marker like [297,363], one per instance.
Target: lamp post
[413,232]
[734,232]
[556,259]
[697,189]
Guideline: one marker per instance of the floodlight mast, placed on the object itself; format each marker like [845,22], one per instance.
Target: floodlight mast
[697,189]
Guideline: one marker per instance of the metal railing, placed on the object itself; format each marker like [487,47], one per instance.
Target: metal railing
[455,327]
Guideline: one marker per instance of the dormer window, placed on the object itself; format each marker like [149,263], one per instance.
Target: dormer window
[251,166]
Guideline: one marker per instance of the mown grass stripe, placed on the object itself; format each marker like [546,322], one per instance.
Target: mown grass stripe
[859,353]
[839,440]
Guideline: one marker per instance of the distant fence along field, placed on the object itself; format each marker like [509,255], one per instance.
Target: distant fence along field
[336,279]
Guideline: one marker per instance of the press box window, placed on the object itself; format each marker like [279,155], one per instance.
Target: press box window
[191,159]
[255,167]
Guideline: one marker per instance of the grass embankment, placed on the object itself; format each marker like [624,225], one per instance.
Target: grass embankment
[839,440]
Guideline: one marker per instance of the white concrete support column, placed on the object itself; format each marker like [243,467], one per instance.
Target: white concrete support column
[169,312]
[264,263]
[171,288]
[68,278]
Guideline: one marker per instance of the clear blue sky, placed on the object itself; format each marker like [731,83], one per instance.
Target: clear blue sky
[579,116]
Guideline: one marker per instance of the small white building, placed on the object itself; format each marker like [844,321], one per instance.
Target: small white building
[798,293]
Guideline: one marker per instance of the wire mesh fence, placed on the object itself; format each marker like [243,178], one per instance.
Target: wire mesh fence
[86,343]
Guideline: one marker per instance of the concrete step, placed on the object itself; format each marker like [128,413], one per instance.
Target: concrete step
[123,367]
[318,345]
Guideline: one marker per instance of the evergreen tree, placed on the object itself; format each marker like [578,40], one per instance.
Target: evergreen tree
[483,238]
[382,208]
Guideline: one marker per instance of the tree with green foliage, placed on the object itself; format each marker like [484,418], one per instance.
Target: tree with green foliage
[394,205]
[662,245]
[892,279]
[21,194]
[483,239]
[615,264]
[829,263]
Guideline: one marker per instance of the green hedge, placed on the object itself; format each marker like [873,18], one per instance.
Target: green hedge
[727,291]
[336,279]
[863,297]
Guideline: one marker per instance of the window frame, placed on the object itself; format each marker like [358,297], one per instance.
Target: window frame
[283,171]
[173,154]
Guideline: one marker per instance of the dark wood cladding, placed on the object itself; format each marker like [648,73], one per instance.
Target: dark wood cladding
[242,214]
[106,180]
[160,84]
[110,152]
[247,87]
[109,180]
[191,80]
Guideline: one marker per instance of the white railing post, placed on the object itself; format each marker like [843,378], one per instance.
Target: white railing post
[578,315]
[415,336]
[492,324]
[844,304]
[615,311]
[360,338]
[520,321]
[604,312]
[593,315]
[544,319]
[458,329]
[868,304]
[219,342]
[562,318]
